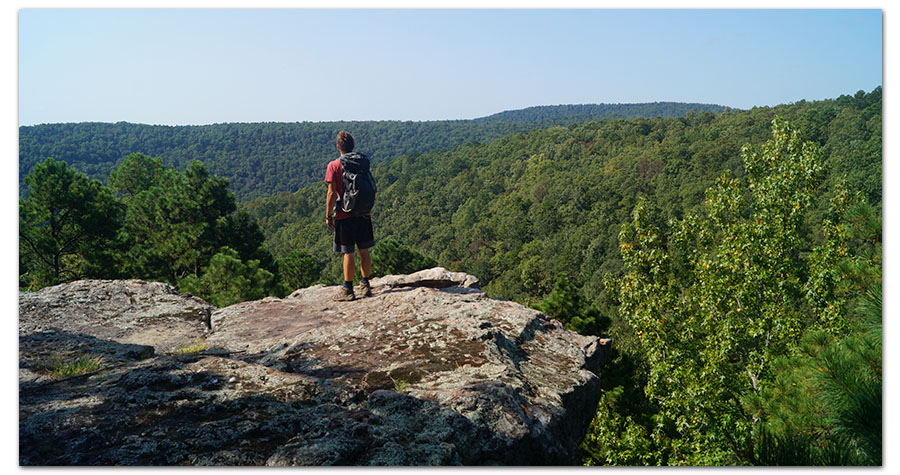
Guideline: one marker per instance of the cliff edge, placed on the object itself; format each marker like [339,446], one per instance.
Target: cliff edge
[427,371]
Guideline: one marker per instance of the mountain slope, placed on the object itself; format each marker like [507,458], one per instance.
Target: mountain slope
[522,209]
[262,159]
[565,114]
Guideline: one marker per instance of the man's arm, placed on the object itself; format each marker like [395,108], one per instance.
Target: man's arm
[330,199]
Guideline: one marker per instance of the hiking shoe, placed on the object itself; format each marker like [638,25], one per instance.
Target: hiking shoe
[344,295]
[364,289]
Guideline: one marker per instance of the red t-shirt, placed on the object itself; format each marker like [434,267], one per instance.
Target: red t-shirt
[334,173]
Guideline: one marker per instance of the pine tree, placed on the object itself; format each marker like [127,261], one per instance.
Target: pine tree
[566,304]
[825,407]
[299,269]
[67,227]
[391,257]
[228,280]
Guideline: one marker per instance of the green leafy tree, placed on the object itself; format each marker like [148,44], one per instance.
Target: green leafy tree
[228,280]
[566,304]
[176,226]
[715,302]
[67,226]
[299,269]
[136,173]
[391,257]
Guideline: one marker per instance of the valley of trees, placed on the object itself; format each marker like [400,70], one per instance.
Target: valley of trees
[771,355]
[525,209]
[262,159]
[733,257]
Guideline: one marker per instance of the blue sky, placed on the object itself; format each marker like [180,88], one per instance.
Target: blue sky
[207,66]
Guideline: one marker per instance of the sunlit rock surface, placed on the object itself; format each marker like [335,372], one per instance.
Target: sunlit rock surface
[427,371]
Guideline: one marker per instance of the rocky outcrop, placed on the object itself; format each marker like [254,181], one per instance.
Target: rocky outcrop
[436,277]
[427,371]
[118,320]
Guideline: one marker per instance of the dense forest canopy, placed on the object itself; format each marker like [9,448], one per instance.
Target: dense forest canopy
[733,256]
[735,259]
[262,159]
[521,210]
[576,113]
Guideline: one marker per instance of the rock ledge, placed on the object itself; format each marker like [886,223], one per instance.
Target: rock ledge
[427,371]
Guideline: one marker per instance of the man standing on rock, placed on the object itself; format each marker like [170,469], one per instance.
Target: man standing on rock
[348,204]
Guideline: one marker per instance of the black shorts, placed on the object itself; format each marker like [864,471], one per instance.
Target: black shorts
[353,231]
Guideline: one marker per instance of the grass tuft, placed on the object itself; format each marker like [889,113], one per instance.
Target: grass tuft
[63,366]
[399,384]
[197,347]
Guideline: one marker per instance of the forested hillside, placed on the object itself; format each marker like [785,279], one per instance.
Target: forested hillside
[262,159]
[528,207]
[733,257]
[575,113]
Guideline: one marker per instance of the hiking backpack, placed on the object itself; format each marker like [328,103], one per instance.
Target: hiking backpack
[358,184]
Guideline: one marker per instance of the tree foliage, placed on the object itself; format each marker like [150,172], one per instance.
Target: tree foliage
[566,304]
[299,269]
[716,301]
[67,227]
[825,404]
[137,173]
[177,227]
[263,159]
[228,280]
[391,257]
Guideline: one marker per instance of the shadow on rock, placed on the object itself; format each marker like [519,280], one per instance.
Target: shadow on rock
[215,411]
[412,376]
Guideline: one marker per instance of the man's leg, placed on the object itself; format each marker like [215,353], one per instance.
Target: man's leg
[346,292]
[344,245]
[350,267]
[365,263]
[365,268]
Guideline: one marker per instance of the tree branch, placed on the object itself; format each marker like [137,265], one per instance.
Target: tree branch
[35,249]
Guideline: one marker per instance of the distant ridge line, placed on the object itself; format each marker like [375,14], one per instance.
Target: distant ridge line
[599,110]
[265,158]
[604,110]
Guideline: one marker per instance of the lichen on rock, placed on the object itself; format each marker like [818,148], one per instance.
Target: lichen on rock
[421,373]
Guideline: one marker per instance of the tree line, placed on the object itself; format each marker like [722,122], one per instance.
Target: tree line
[262,159]
[160,224]
[728,296]
[578,113]
[523,210]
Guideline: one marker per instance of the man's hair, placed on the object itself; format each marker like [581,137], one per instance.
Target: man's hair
[345,141]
